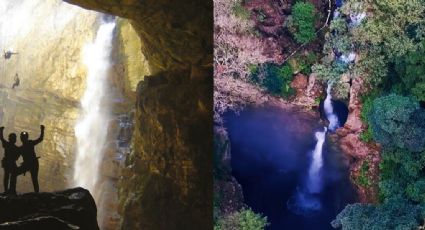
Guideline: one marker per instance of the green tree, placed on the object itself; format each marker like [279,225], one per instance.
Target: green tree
[304,17]
[401,173]
[411,73]
[396,213]
[245,219]
[396,122]
[240,11]
[393,29]
[276,79]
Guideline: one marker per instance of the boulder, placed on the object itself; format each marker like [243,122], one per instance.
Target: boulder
[308,90]
[69,209]
[300,83]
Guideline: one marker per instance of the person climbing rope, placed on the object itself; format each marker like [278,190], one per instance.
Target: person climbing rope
[17,81]
[8,162]
[29,156]
[8,54]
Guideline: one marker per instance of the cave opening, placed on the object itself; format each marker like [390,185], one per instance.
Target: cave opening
[167,115]
[78,74]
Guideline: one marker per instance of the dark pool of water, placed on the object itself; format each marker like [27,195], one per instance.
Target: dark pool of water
[271,151]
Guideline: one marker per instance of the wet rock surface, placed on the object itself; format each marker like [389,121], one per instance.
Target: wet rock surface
[357,150]
[226,188]
[164,185]
[69,209]
[308,90]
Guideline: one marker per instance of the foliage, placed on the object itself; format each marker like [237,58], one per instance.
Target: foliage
[395,213]
[391,43]
[240,11]
[331,72]
[363,178]
[366,135]
[303,63]
[367,102]
[395,29]
[216,205]
[402,175]
[245,219]
[339,39]
[397,121]
[276,79]
[401,189]
[304,16]
[252,68]
[411,73]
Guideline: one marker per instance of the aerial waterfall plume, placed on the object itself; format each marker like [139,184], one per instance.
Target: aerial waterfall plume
[332,118]
[91,129]
[314,180]
[306,200]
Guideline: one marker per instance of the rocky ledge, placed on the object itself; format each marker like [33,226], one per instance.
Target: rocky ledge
[69,209]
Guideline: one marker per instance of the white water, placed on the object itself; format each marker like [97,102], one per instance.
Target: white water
[348,58]
[92,128]
[314,183]
[357,18]
[306,200]
[329,111]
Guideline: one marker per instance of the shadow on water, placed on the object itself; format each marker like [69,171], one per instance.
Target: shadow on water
[271,153]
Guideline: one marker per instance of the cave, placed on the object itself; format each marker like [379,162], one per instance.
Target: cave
[162,71]
[340,109]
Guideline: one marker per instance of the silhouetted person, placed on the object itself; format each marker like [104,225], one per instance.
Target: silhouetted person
[17,81]
[8,163]
[30,159]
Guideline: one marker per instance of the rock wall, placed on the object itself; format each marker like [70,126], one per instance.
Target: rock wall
[49,37]
[68,209]
[51,75]
[165,184]
[358,151]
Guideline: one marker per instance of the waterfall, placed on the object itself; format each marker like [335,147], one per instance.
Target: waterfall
[91,129]
[306,200]
[314,179]
[332,118]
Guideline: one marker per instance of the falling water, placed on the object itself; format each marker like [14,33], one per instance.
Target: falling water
[329,111]
[314,180]
[306,200]
[92,128]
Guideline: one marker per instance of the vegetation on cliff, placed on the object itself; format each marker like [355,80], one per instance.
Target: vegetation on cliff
[304,16]
[244,219]
[382,43]
[390,44]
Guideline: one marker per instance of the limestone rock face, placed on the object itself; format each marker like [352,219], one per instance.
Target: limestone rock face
[166,183]
[174,34]
[167,172]
[299,83]
[225,185]
[49,37]
[70,209]
[358,151]
[308,90]
[49,43]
